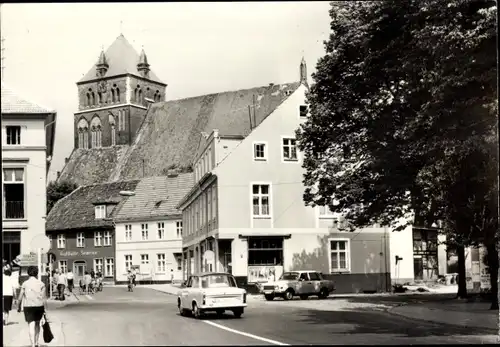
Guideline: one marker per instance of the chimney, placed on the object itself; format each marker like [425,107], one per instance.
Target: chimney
[66,160]
[271,84]
[58,174]
[216,133]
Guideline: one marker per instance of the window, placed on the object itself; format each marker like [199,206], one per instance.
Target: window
[339,255]
[63,266]
[107,238]
[314,276]
[97,239]
[161,231]
[13,134]
[61,241]
[325,212]
[259,151]
[98,265]
[13,193]
[178,227]
[260,197]
[161,262]
[214,202]
[289,149]
[144,228]
[128,262]
[121,120]
[304,277]
[113,135]
[265,251]
[109,269]
[80,240]
[100,211]
[303,111]
[144,259]
[128,232]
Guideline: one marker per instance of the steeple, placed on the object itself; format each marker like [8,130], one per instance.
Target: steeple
[102,65]
[303,72]
[143,66]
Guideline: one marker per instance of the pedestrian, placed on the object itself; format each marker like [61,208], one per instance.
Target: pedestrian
[172,276]
[87,280]
[34,301]
[61,285]
[134,275]
[70,277]
[9,291]
[92,274]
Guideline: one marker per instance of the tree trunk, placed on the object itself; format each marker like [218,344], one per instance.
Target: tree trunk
[493,269]
[462,281]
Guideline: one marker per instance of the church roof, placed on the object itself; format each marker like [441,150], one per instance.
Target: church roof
[171,131]
[122,59]
[170,134]
[13,103]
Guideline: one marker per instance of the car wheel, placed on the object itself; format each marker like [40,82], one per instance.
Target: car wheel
[196,311]
[181,310]
[288,295]
[323,293]
[238,312]
[269,297]
[304,297]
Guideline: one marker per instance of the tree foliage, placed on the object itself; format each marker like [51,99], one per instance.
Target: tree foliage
[403,117]
[57,190]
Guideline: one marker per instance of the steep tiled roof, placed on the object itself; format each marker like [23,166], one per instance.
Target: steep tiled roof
[171,132]
[89,166]
[77,210]
[122,59]
[156,197]
[13,103]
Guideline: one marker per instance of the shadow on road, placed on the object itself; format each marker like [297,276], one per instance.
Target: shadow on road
[364,322]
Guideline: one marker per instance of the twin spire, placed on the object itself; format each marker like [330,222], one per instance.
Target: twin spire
[303,72]
[102,65]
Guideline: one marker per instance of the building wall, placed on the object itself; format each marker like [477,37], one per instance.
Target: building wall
[238,171]
[171,246]
[402,246]
[30,156]
[71,253]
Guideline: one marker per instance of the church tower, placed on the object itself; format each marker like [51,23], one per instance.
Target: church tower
[113,97]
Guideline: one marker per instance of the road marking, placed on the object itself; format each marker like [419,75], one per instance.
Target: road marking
[89,297]
[273,342]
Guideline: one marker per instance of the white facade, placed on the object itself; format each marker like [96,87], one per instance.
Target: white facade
[24,164]
[154,246]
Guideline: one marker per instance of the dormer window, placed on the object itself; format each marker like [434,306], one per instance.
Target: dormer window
[303,111]
[100,211]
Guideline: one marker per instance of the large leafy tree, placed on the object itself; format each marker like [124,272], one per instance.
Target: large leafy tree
[403,106]
[57,190]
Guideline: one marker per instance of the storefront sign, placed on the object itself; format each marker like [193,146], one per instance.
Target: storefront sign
[81,253]
[485,273]
[264,273]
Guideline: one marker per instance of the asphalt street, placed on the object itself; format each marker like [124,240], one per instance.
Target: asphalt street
[148,317]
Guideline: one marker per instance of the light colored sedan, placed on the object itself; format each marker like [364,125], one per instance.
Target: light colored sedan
[211,292]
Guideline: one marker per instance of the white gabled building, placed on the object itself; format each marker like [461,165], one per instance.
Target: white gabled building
[149,229]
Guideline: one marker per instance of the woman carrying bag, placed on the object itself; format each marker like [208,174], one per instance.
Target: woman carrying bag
[33,299]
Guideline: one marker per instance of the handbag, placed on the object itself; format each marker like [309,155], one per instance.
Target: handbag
[47,332]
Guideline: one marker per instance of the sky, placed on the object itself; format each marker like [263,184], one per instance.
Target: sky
[196,48]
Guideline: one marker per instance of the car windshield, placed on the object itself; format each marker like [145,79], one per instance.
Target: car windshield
[218,281]
[289,276]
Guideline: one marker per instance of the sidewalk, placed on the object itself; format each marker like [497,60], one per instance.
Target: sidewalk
[454,312]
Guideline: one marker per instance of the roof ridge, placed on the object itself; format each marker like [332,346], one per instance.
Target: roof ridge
[224,92]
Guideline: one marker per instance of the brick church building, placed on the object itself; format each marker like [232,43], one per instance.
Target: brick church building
[113,97]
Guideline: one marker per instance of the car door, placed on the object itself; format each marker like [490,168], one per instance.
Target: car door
[315,279]
[185,293]
[305,285]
